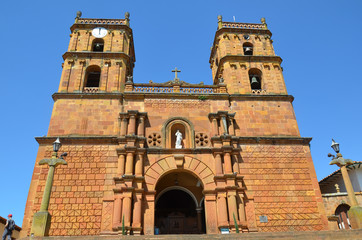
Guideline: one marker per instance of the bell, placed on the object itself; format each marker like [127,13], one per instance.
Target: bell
[248,49]
[254,80]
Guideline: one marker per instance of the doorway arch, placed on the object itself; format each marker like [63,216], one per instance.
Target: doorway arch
[177,208]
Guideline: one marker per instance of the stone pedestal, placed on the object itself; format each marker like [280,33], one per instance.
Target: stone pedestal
[355,217]
[41,224]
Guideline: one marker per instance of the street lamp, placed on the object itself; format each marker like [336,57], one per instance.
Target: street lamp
[334,145]
[355,212]
[56,145]
[41,219]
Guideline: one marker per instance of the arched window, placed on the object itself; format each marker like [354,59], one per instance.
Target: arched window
[98,45]
[255,79]
[343,220]
[93,76]
[248,49]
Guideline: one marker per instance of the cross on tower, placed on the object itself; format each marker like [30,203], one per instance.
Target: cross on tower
[176,71]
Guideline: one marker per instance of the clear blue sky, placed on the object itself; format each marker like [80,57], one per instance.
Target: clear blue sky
[319,41]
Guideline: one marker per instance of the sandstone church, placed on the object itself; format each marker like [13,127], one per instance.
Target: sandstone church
[173,157]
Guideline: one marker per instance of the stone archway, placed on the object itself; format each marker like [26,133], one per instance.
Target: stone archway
[194,165]
[179,163]
[177,209]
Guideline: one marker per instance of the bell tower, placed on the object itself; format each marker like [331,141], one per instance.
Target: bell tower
[99,61]
[100,56]
[243,57]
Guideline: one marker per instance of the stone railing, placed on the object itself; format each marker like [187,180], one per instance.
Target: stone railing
[243,25]
[90,89]
[190,89]
[151,89]
[198,90]
[101,21]
[259,91]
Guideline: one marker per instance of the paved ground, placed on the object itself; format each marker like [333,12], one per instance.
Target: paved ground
[319,235]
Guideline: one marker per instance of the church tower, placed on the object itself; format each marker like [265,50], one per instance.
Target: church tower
[174,157]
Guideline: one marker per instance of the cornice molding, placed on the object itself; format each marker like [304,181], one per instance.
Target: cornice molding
[89,26]
[98,95]
[99,55]
[78,139]
[116,140]
[270,97]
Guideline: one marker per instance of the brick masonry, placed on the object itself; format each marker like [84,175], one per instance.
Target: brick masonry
[244,146]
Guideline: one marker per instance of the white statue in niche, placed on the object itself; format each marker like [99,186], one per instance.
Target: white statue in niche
[178,139]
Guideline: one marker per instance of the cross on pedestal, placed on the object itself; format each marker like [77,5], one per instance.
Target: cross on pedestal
[176,71]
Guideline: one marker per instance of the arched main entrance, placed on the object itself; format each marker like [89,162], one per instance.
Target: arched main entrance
[178,205]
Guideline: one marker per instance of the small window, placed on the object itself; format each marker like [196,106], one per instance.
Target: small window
[93,76]
[255,79]
[248,49]
[98,45]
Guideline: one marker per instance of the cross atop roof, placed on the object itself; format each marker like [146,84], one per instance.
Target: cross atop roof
[176,71]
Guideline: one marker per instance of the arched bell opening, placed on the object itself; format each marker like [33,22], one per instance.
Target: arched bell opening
[342,213]
[92,77]
[248,49]
[178,208]
[98,45]
[255,77]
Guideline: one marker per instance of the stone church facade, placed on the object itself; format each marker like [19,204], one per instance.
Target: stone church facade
[241,163]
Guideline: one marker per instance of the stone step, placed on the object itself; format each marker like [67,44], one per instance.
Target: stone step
[320,235]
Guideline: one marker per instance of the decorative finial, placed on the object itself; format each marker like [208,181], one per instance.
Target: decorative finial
[337,188]
[126,16]
[79,14]
[129,79]
[219,22]
[264,22]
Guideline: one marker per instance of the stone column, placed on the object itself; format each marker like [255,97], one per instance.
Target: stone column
[139,165]
[118,77]
[137,216]
[132,125]
[127,208]
[124,126]
[222,210]
[117,211]
[73,45]
[149,216]
[231,127]
[65,79]
[141,126]
[121,165]
[235,163]
[232,208]
[349,187]
[199,219]
[41,219]
[223,123]
[227,162]
[242,215]
[129,163]
[215,127]
[80,78]
[218,164]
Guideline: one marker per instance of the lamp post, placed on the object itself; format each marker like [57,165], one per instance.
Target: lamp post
[355,212]
[42,218]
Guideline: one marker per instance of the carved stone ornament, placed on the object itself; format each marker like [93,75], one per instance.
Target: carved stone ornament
[154,140]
